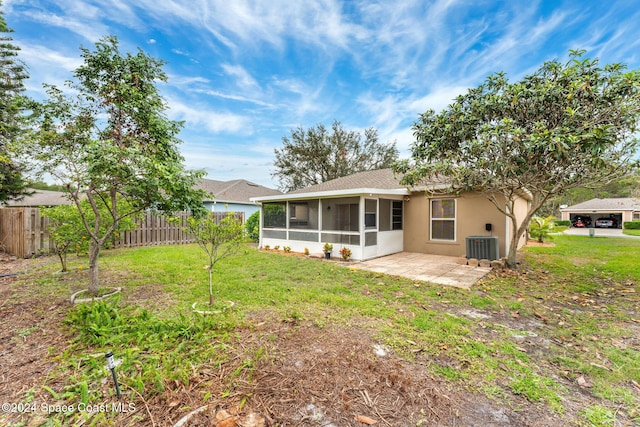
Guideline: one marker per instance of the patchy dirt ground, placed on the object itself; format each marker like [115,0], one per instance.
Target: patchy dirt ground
[308,376]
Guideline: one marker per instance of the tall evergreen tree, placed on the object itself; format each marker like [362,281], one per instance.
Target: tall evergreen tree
[12,183]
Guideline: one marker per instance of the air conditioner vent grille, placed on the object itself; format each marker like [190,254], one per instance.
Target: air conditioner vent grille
[483,247]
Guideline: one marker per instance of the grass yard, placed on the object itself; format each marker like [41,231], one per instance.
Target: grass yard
[310,342]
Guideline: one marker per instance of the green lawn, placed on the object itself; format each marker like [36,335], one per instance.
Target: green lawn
[570,315]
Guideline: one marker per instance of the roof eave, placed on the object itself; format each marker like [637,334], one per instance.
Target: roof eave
[334,193]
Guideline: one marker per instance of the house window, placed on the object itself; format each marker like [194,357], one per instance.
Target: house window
[390,215]
[396,215]
[274,215]
[443,219]
[370,213]
[636,216]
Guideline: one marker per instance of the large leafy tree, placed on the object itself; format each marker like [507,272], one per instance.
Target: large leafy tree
[12,74]
[567,125]
[112,145]
[318,154]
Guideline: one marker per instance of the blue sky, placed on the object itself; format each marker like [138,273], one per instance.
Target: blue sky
[243,73]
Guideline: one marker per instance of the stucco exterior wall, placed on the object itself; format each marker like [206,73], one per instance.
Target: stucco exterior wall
[521,208]
[473,212]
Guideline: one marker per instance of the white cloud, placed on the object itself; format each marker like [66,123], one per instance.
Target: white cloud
[234,97]
[224,164]
[198,116]
[46,65]
[243,78]
[85,24]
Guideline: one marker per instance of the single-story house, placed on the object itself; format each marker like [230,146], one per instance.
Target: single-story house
[373,215]
[234,196]
[41,198]
[619,209]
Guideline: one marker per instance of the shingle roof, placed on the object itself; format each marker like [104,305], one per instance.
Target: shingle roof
[383,179]
[238,190]
[42,198]
[625,204]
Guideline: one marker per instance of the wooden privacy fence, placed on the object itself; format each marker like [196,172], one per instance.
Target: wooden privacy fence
[24,232]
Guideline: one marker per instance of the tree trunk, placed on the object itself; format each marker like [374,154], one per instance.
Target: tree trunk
[210,285]
[94,279]
[513,252]
[63,261]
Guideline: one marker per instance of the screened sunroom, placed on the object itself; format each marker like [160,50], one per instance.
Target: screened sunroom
[370,224]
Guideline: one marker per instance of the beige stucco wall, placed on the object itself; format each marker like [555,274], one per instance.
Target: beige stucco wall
[473,211]
[521,208]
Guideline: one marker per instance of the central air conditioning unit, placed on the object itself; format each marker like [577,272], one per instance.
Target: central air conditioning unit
[483,247]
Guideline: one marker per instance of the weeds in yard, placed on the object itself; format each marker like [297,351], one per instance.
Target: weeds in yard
[566,322]
[153,351]
[599,416]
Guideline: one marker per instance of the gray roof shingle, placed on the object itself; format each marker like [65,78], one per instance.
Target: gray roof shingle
[383,179]
[42,198]
[238,190]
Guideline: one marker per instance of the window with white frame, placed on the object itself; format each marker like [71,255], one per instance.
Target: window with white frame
[390,215]
[443,219]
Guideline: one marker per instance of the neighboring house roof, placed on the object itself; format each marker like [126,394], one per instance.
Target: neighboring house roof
[616,204]
[236,191]
[42,198]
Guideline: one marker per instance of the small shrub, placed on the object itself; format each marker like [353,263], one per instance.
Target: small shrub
[345,253]
[287,249]
[540,228]
[276,247]
[252,226]
[267,247]
[563,223]
[327,247]
[632,225]
[306,251]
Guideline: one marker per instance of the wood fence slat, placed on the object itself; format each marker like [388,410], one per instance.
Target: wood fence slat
[24,231]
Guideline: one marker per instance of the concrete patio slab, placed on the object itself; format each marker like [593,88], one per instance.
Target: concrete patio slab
[438,269]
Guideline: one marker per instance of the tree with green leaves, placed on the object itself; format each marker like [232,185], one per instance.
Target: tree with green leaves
[67,230]
[567,125]
[218,239]
[12,105]
[112,142]
[252,226]
[317,155]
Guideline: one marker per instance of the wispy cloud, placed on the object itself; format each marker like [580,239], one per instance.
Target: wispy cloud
[243,78]
[46,65]
[201,116]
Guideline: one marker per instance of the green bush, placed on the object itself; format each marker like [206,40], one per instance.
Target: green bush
[252,225]
[563,223]
[540,228]
[632,225]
